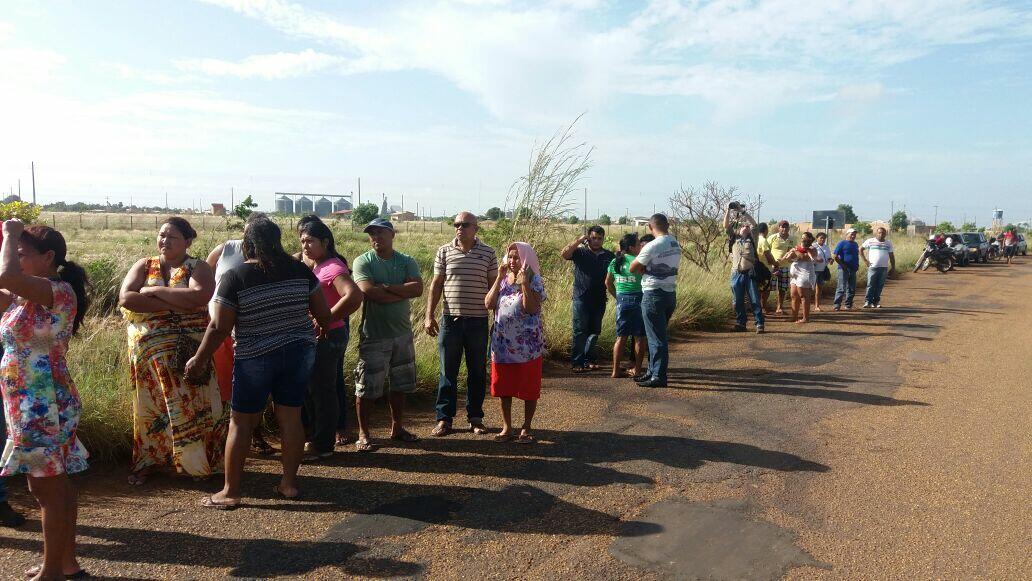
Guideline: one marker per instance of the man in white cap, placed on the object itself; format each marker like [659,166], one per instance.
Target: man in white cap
[847,257]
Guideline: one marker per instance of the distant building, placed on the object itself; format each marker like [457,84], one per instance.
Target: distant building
[217,209]
[402,216]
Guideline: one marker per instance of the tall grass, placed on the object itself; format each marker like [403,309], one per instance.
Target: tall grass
[98,356]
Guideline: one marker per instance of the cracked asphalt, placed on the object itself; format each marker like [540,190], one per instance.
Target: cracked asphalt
[870,443]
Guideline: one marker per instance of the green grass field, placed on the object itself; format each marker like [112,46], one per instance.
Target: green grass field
[97,357]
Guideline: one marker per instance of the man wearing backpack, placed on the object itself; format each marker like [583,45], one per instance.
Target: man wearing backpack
[744,263]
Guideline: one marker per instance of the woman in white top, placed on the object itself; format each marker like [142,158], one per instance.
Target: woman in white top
[803,276]
[822,268]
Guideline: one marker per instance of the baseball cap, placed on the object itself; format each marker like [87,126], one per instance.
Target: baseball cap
[379,223]
[851,230]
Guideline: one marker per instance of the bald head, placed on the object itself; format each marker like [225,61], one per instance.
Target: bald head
[466,227]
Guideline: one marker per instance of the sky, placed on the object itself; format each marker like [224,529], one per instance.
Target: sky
[881,104]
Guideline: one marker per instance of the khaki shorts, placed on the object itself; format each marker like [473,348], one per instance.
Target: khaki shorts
[378,358]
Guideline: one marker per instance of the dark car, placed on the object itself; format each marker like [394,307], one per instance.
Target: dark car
[961,254]
[978,246]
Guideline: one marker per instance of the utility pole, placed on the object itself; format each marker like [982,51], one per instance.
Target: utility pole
[585,204]
[935,220]
[19,188]
[33,183]
[166,201]
[232,198]
[359,192]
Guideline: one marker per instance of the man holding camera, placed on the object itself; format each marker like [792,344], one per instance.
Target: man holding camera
[744,265]
[590,261]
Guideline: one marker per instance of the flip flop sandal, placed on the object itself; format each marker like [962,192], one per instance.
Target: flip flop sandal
[209,502]
[405,436]
[364,445]
[479,429]
[281,496]
[526,439]
[579,370]
[504,438]
[35,569]
[263,448]
[343,440]
[137,479]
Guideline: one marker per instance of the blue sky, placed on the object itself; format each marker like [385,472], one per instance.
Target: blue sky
[811,104]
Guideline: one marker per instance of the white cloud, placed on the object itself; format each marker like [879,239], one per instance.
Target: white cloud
[280,65]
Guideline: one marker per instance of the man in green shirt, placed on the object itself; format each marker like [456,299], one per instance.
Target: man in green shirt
[389,280]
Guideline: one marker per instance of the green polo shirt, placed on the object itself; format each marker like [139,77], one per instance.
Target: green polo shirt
[385,320]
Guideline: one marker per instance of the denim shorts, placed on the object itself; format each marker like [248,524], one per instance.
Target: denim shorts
[629,320]
[282,373]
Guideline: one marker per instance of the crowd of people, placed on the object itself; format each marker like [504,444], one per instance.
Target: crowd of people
[213,341]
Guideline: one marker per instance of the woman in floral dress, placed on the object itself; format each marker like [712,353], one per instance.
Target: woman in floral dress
[43,297]
[177,422]
[517,338]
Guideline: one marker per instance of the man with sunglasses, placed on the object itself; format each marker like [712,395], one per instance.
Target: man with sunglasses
[590,264]
[464,271]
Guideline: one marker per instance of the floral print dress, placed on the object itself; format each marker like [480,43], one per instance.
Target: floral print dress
[40,399]
[175,421]
[517,336]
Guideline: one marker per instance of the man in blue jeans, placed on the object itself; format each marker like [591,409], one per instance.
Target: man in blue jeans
[742,250]
[847,257]
[658,262]
[590,262]
[880,257]
[464,270]
[8,516]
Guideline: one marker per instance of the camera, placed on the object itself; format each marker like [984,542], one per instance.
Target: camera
[734,206]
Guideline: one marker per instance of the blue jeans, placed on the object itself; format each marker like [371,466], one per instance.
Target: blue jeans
[846,286]
[587,326]
[657,306]
[458,336]
[875,283]
[742,284]
[322,404]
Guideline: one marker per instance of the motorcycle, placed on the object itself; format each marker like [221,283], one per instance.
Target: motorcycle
[938,255]
[995,251]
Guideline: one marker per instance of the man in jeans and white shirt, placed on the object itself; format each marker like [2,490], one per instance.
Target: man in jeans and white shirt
[878,254]
[658,262]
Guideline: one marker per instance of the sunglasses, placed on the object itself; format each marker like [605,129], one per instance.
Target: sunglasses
[462,224]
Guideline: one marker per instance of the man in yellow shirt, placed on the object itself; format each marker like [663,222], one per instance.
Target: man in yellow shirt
[780,244]
[763,251]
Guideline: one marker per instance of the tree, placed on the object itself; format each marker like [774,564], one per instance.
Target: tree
[945,227]
[244,208]
[698,216]
[863,228]
[968,227]
[365,213]
[524,213]
[573,219]
[494,213]
[847,209]
[605,220]
[899,221]
[622,221]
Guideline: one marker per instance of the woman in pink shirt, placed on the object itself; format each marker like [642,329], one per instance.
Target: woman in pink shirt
[324,409]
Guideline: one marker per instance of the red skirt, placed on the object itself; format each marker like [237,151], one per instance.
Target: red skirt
[223,360]
[519,380]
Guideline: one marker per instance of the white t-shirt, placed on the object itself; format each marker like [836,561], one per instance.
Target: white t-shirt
[661,257]
[824,253]
[232,257]
[878,252]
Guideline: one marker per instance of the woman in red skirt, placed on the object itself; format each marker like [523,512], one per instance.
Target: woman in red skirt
[518,337]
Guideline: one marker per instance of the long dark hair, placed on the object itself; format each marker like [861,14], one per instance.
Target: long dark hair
[182,225]
[262,243]
[45,239]
[314,226]
[626,242]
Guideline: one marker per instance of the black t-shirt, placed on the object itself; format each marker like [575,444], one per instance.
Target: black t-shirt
[271,310]
[589,273]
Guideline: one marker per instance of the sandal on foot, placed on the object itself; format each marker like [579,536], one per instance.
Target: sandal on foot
[137,479]
[578,370]
[441,430]
[363,445]
[343,440]
[504,438]
[479,429]
[210,502]
[526,439]
[405,436]
[262,447]
[279,494]
[35,569]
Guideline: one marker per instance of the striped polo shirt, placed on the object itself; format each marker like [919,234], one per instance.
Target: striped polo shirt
[466,277]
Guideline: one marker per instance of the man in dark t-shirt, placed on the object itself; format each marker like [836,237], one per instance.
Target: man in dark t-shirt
[590,261]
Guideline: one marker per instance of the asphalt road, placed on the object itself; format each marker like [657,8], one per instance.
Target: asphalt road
[870,443]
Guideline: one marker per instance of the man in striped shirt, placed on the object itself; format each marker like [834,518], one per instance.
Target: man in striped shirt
[464,270]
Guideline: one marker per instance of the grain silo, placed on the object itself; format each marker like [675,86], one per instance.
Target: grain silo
[284,205]
[303,205]
[341,204]
[323,207]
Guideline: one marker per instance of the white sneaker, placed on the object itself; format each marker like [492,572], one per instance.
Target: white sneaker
[878,306]
[867,305]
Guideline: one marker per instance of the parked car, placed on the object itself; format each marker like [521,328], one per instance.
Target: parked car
[1022,245]
[961,254]
[978,246]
